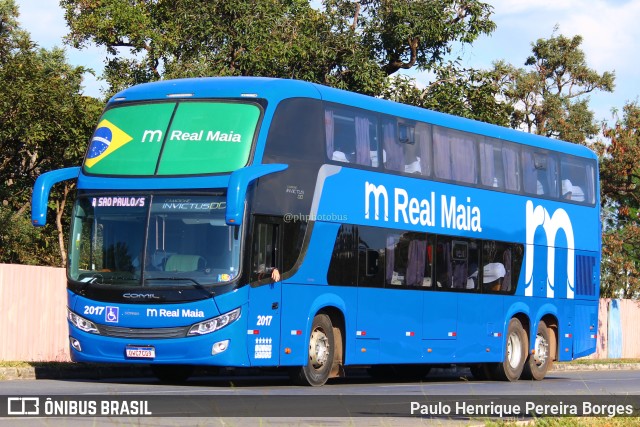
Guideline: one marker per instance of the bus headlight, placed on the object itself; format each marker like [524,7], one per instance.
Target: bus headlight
[214,324]
[82,323]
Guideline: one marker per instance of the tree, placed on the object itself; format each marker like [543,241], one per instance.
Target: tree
[620,187]
[463,92]
[550,97]
[45,125]
[346,44]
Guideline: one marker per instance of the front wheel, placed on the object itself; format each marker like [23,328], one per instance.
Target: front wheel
[540,361]
[515,353]
[321,354]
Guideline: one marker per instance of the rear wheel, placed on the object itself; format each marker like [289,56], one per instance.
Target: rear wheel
[539,363]
[172,374]
[321,354]
[515,355]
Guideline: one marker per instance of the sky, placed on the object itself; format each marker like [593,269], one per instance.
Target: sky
[610,31]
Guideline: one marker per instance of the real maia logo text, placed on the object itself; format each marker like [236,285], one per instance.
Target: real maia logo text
[178,135]
[454,214]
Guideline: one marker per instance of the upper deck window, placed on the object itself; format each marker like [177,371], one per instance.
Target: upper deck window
[407,146]
[578,179]
[351,136]
[173,138]
[540,173]
[455,156]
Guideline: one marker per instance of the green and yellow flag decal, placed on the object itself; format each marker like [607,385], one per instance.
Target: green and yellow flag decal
[106,139]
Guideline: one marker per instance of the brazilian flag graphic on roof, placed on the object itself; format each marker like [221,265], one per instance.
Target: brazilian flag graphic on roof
[106,139]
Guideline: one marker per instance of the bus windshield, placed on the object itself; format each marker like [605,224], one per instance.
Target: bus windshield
[173,138]
[152,240]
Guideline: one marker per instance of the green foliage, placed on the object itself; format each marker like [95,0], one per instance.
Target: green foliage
[21,243]
[346,44]
[463,92]
[550,96]
[620,186]
[45,124]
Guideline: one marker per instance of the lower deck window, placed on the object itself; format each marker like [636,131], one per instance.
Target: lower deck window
[387,258]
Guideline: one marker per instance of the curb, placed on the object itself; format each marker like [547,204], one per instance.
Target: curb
[99,372]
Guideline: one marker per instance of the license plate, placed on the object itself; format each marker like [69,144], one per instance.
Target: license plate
[136,352]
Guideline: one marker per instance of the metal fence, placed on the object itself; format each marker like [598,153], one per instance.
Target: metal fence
[33,324]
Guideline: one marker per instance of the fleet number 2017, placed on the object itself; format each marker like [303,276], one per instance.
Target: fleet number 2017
[264,320]
[91,309]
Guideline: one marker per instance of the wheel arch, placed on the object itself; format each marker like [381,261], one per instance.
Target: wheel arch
[338,322]
[521,312]
[333,306]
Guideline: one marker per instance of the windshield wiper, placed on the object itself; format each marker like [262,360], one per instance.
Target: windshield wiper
[86,281]
[102,279]
[196,284]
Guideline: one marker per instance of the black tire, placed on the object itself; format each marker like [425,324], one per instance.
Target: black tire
[539,363]
[515,353]
[172,374]
[320,357]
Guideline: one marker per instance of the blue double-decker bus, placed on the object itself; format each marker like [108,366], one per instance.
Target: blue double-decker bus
[253,222]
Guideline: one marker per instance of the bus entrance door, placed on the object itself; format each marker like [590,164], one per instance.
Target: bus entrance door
[265,293]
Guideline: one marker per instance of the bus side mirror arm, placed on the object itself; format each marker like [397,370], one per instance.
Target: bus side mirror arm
[40,196]
[239,181]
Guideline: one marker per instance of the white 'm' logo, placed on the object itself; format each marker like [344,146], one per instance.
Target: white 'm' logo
[377,192]
[551,224]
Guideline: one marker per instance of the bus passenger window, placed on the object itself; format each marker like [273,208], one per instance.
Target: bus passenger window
[371,256]
[427,280]
[393,155]
[424,143]
[540,173]
[415,143]
[406,256]
[501,266]
[511,164]
[577,180]
[295,134]
[496,269]
[457,263]
[491,163]
[351,136]
[455,155]
[342,266]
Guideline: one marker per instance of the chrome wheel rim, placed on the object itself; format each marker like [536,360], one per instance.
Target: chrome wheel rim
[541,350]
[318,348]
[514,353]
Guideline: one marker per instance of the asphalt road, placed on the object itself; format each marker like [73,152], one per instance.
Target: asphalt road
[269,400]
